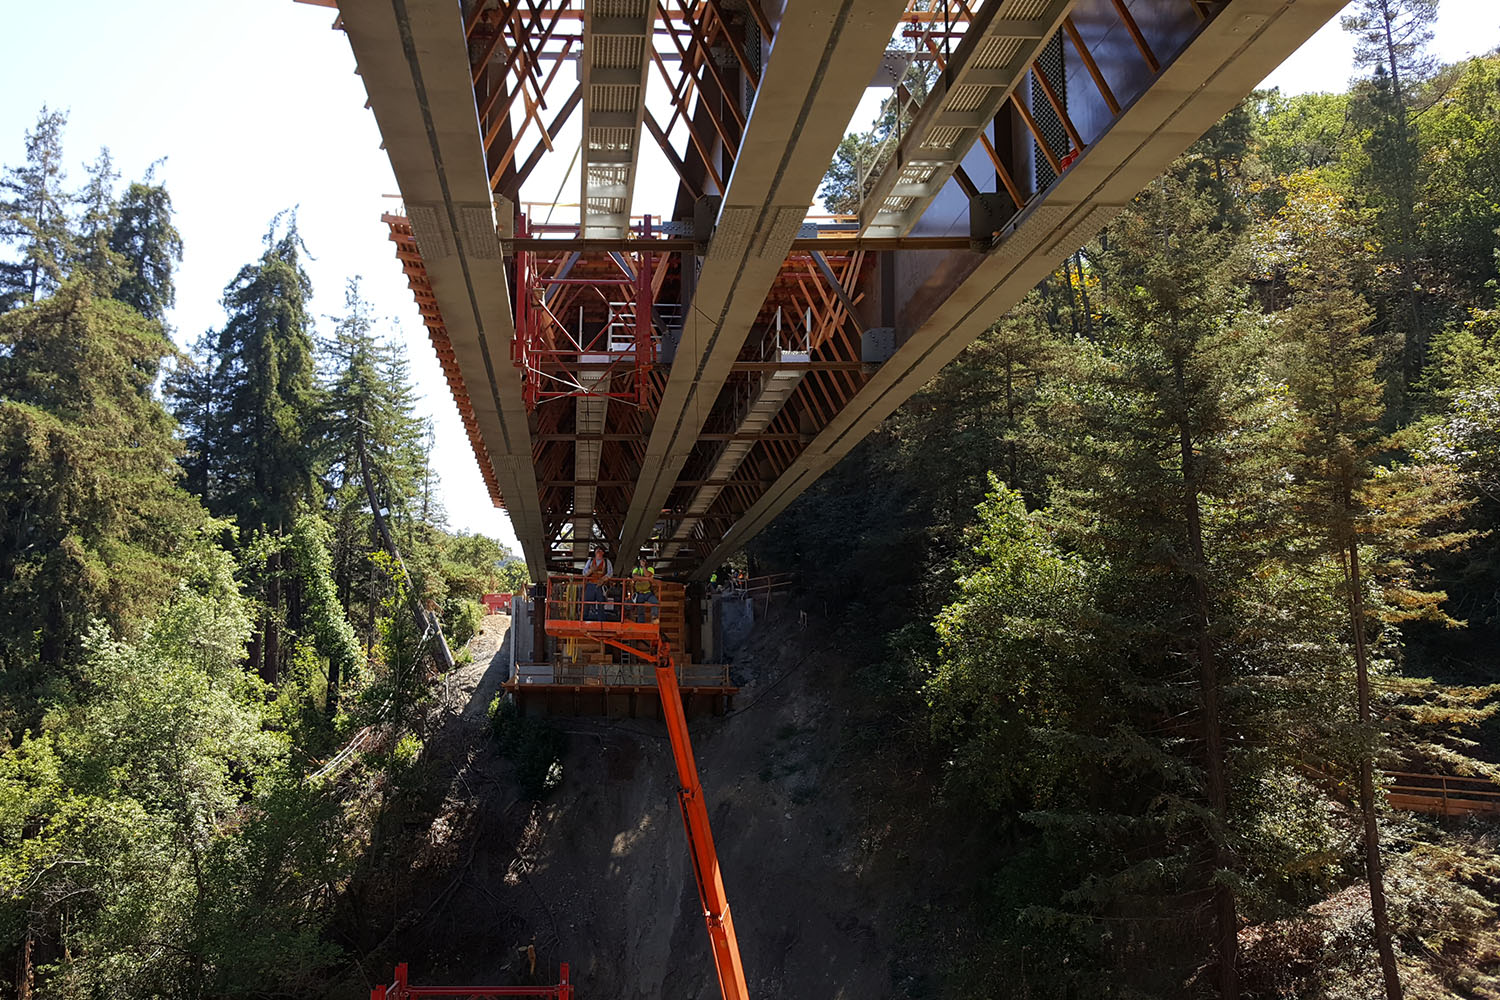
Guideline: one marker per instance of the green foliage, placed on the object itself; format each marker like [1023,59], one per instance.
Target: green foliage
[151,826]
[534,746]
[398,681]
[333,637]
[34,216]
[464,620]
[263,368]
[148,244]
[92,521]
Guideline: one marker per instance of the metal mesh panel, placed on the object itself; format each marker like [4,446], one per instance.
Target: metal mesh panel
[1047,122]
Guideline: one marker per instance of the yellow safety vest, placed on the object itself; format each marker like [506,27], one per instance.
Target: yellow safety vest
[643,579]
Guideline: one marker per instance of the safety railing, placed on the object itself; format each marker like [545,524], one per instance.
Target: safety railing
[581,606]
[611,674]
[400,989]
[1442,794]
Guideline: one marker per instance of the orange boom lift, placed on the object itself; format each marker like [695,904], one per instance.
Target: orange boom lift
[575,609]
[571,615]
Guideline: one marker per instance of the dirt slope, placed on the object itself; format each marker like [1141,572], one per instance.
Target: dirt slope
[818,869]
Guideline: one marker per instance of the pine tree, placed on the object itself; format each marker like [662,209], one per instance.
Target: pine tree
[34,216]
[195,392]
[92,520]
[367,404]
[1391,38]
[264,362]
[1335,436]
[145,236]
[98,214]
[262,427]
[1150,483]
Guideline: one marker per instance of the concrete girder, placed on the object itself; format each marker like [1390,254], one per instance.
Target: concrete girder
[992,60]
[617,43]
[414,60]
[1231,55]
[823,53]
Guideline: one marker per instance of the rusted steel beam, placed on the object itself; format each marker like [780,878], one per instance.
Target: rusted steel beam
[1000,171]
[760,19]
[515,141]
[706,436]
[489,53]
[563,114]
[734,43]
[703,102]
[700,40]
[695,189]
[680,103]
[1036,133]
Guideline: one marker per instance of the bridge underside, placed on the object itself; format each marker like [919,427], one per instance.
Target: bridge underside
[652,339]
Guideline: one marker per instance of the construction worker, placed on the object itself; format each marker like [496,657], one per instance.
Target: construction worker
[595,572]
[643,589]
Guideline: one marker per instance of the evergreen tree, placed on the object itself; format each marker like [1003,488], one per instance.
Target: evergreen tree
[145,236]
[1331,377]
[264,362]
[92,520]
[367,404]
[34,216]
[96,223]
[195,392]
[1153,496]
[1390,38]
[262,425]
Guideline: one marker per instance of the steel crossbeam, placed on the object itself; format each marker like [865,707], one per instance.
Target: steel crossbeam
[998,50]
[1032,123]
[1224,60]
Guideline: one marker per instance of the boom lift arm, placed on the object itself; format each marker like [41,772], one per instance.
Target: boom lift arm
[571,615]
[700,838]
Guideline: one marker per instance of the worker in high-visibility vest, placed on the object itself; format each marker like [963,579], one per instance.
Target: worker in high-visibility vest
[595,572]
[643,589]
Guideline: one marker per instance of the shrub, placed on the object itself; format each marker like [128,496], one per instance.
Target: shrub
[464,622]
[533,746]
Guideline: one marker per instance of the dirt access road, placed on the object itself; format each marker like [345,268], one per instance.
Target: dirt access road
[819,873]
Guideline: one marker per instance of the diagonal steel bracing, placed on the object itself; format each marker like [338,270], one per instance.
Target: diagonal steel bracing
[802,106]
[414,61]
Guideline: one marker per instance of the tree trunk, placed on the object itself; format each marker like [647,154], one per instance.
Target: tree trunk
[413,599]
[1374,867]
[1415,345]
[271,668]
[1226,918]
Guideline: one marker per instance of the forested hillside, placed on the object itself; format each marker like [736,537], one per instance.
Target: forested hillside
[217,569]
[1191,550]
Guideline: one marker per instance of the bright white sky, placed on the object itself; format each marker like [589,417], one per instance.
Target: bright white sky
[255,108]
